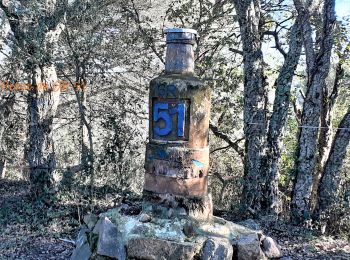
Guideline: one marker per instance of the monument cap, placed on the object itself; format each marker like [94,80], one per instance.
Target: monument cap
[180,30]
[181,36]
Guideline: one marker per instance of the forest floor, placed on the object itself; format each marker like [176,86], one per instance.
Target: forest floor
[31,232]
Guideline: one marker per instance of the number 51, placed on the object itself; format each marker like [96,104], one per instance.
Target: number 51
[161,111]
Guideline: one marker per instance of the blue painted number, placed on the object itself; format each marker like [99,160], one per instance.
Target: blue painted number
[180,111]
[165,115]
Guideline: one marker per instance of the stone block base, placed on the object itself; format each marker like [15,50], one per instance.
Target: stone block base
[116,235]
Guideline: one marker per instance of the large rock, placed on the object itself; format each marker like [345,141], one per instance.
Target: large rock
[250,223]
[216,248]
[248,248]
[109,240]
[270,248]
[118,235]
[90,220]
[152,248]
[82,250]
[145,218]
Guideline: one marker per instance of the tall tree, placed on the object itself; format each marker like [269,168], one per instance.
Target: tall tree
[330,183]
[36,41]
[318,64]
[279,118]
[330,94]
[6,107]
[94,50]
[263,149]
[249,13]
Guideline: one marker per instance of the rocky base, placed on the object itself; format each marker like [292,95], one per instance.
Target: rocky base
[119,235]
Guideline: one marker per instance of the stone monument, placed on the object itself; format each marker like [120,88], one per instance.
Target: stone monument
[175,219]
[177,157]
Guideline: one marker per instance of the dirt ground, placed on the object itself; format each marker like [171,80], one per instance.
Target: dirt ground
[26,232]
[30,231]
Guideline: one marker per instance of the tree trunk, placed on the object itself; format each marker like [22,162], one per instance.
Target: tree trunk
[325,136]
[3,163]
[318,68]
[279,117]
[87,152]
[37,41]
[42,105]
[330,182]
[248,13]
[6,108]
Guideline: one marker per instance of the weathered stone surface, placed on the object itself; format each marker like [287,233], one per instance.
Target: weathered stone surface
[109,241]
[141,230]
[216,248]
[81,253]
[90,220]
[250,223]
[82,250]
[248,248]
[145,218]
[152,248]
[166,238]
[286,258]
[96,229]
[223,228]
[270,248]
[188,230]
[170,213]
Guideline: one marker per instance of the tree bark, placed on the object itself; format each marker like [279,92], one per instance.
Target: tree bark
[248,13]
[331,179]
[6,108]
[279,117]
[42,105]
[318,68]
[3,163]
[38,41]
[325,135]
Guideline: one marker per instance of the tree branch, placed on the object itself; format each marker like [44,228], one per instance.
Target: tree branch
[13,20]
[151,45]
[236,51]
[277,42]
[233,144]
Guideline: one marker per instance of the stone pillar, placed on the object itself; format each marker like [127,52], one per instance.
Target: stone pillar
[177,156]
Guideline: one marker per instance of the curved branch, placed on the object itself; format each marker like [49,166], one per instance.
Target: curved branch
[277,42]
[233,144]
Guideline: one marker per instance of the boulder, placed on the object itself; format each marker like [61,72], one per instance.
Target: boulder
[96,229]
[250,223]
[153,248]
[82,250]
[286,258]
[110,240]
[216,248]
[90,220]
[145,218]
[248,248]
[188,230]
[119,235]
[270,248]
